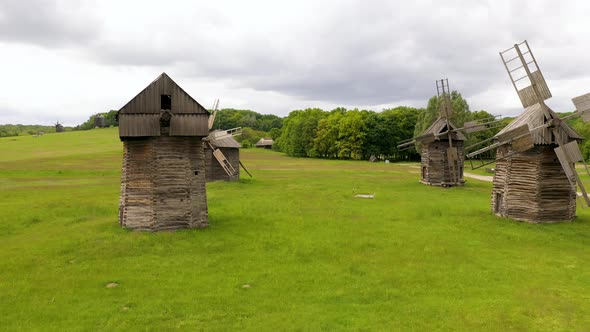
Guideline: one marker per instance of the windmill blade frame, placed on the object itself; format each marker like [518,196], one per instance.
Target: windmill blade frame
[568,154]
[533,87]
[213,114]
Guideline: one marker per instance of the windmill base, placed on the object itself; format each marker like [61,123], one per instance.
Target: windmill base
[532,187]
[163,184]
[444,184]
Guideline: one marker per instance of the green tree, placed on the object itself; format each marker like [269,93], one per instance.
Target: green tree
[351,135]
[400,123]
[460,115]
[299,130]
[326,140]
[231,118]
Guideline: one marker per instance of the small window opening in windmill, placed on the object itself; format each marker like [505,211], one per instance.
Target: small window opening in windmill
[166,102]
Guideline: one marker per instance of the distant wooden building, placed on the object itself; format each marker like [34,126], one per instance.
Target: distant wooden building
[265,143]
[230,148]
[532,185]
[100,121]
[163,176]
[440,158]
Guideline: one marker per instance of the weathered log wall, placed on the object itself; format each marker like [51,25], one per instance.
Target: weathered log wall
[214,171]
[163,184]
[532,186]
[435,165]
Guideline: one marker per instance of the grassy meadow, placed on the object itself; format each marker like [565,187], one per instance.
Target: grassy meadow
[316,258]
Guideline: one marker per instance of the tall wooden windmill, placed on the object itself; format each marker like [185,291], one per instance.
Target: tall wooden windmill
[222,151]
[163,176]
[535,178]
[442,150]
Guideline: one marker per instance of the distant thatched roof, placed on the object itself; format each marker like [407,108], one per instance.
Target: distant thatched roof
[533,116]
[440,126]
[221,139]
[265,142]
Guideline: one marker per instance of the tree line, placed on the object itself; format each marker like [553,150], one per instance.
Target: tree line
[359,134]
[339,133]
[8,130]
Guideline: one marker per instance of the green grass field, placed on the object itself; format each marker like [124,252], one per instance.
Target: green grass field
[414,258]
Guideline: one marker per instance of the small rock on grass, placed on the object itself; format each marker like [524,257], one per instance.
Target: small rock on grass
[246,286]
[112,285]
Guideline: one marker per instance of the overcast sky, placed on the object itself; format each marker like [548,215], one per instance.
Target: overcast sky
[66,60]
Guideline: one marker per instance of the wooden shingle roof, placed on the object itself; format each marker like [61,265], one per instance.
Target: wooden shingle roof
[264,142]
[533,116]
[220,139]
[440,125]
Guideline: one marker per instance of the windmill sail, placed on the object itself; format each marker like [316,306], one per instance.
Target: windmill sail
[213,113]
[525,75]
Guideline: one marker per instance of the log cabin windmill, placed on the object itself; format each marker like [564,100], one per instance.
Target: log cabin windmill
[163,174]
[535,178]
[222,151]
[441,145]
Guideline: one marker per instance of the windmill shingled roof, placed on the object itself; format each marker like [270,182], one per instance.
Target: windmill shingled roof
[533,116]
[440,125]
[222,141]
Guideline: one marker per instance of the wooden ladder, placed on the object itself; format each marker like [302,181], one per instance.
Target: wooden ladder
[227,167]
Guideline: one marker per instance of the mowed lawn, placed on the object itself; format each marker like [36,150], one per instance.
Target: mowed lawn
[316,258]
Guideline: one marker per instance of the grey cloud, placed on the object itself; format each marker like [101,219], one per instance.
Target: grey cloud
[45,23]
[359,53]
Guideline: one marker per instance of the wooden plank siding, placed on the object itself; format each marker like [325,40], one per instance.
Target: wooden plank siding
[189,125]
[140,117]
[139,125]
[148,100]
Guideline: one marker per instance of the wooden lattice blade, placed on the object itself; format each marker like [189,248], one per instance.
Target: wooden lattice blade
[566,164]
[582,104]
[406,144]
[452,154]
[528,97]
[225,164]
[514,133]
[425,139]
[473,126]
[213,114]
[568,154]
[523,143]
[452,159]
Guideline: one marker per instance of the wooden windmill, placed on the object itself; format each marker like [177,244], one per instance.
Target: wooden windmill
[163,176]
[59,128]
[222,151]
[442,151]
[535,178]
